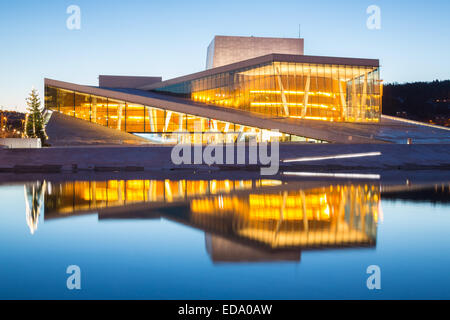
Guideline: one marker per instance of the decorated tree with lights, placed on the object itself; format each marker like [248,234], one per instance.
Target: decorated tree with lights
[35,126]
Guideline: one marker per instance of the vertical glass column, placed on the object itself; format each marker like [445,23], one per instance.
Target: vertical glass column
[100,110]
[66,99]
[82,106]
[134,117]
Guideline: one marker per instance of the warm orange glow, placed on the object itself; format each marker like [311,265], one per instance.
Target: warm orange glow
[171,127]
[276,216]
[327,94]
[330,93]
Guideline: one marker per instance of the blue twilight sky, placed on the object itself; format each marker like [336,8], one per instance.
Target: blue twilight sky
[169,38]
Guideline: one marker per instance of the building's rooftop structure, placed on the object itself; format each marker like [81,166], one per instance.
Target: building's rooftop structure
[224,50]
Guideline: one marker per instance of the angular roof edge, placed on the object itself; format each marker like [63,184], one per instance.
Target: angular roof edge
[267,59]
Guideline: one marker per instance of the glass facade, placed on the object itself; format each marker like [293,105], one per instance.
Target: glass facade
[328,92]
[163,126]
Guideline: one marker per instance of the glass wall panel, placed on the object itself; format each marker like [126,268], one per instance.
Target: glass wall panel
[135,117]
[298,90]
[99,113]
[176,122]
[82,106]
[66,102]
[166,126]
[51,95]
[116,114]
[154,120]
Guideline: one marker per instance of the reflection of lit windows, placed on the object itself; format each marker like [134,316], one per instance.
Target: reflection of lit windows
[342,214]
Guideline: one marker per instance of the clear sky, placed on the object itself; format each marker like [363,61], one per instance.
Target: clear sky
[169,38]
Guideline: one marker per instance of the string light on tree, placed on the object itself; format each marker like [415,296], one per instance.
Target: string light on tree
[34,123]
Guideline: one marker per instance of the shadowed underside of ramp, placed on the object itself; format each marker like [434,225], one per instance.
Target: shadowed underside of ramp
[63,130]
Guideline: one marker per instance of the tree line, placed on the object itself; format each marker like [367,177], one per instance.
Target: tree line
[421,101]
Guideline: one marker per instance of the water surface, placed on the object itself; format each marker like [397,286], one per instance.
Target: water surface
[224,239]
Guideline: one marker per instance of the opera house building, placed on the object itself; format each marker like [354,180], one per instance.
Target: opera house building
[252,87]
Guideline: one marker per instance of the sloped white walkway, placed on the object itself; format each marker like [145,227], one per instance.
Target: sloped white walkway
[64,130]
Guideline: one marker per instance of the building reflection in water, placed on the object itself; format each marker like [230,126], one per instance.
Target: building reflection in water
[86,196]
[331,216]
[243,220]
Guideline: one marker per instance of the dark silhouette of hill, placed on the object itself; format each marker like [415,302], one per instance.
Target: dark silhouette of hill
[422,101]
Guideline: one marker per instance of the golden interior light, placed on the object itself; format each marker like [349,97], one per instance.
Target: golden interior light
[312,93]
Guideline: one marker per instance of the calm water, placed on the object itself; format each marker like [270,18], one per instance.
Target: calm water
[224,239]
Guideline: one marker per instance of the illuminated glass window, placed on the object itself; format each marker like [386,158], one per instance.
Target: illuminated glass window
[164,126]
[135,114]
[82,106]
[116,114]
[99,110]
[297,90]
